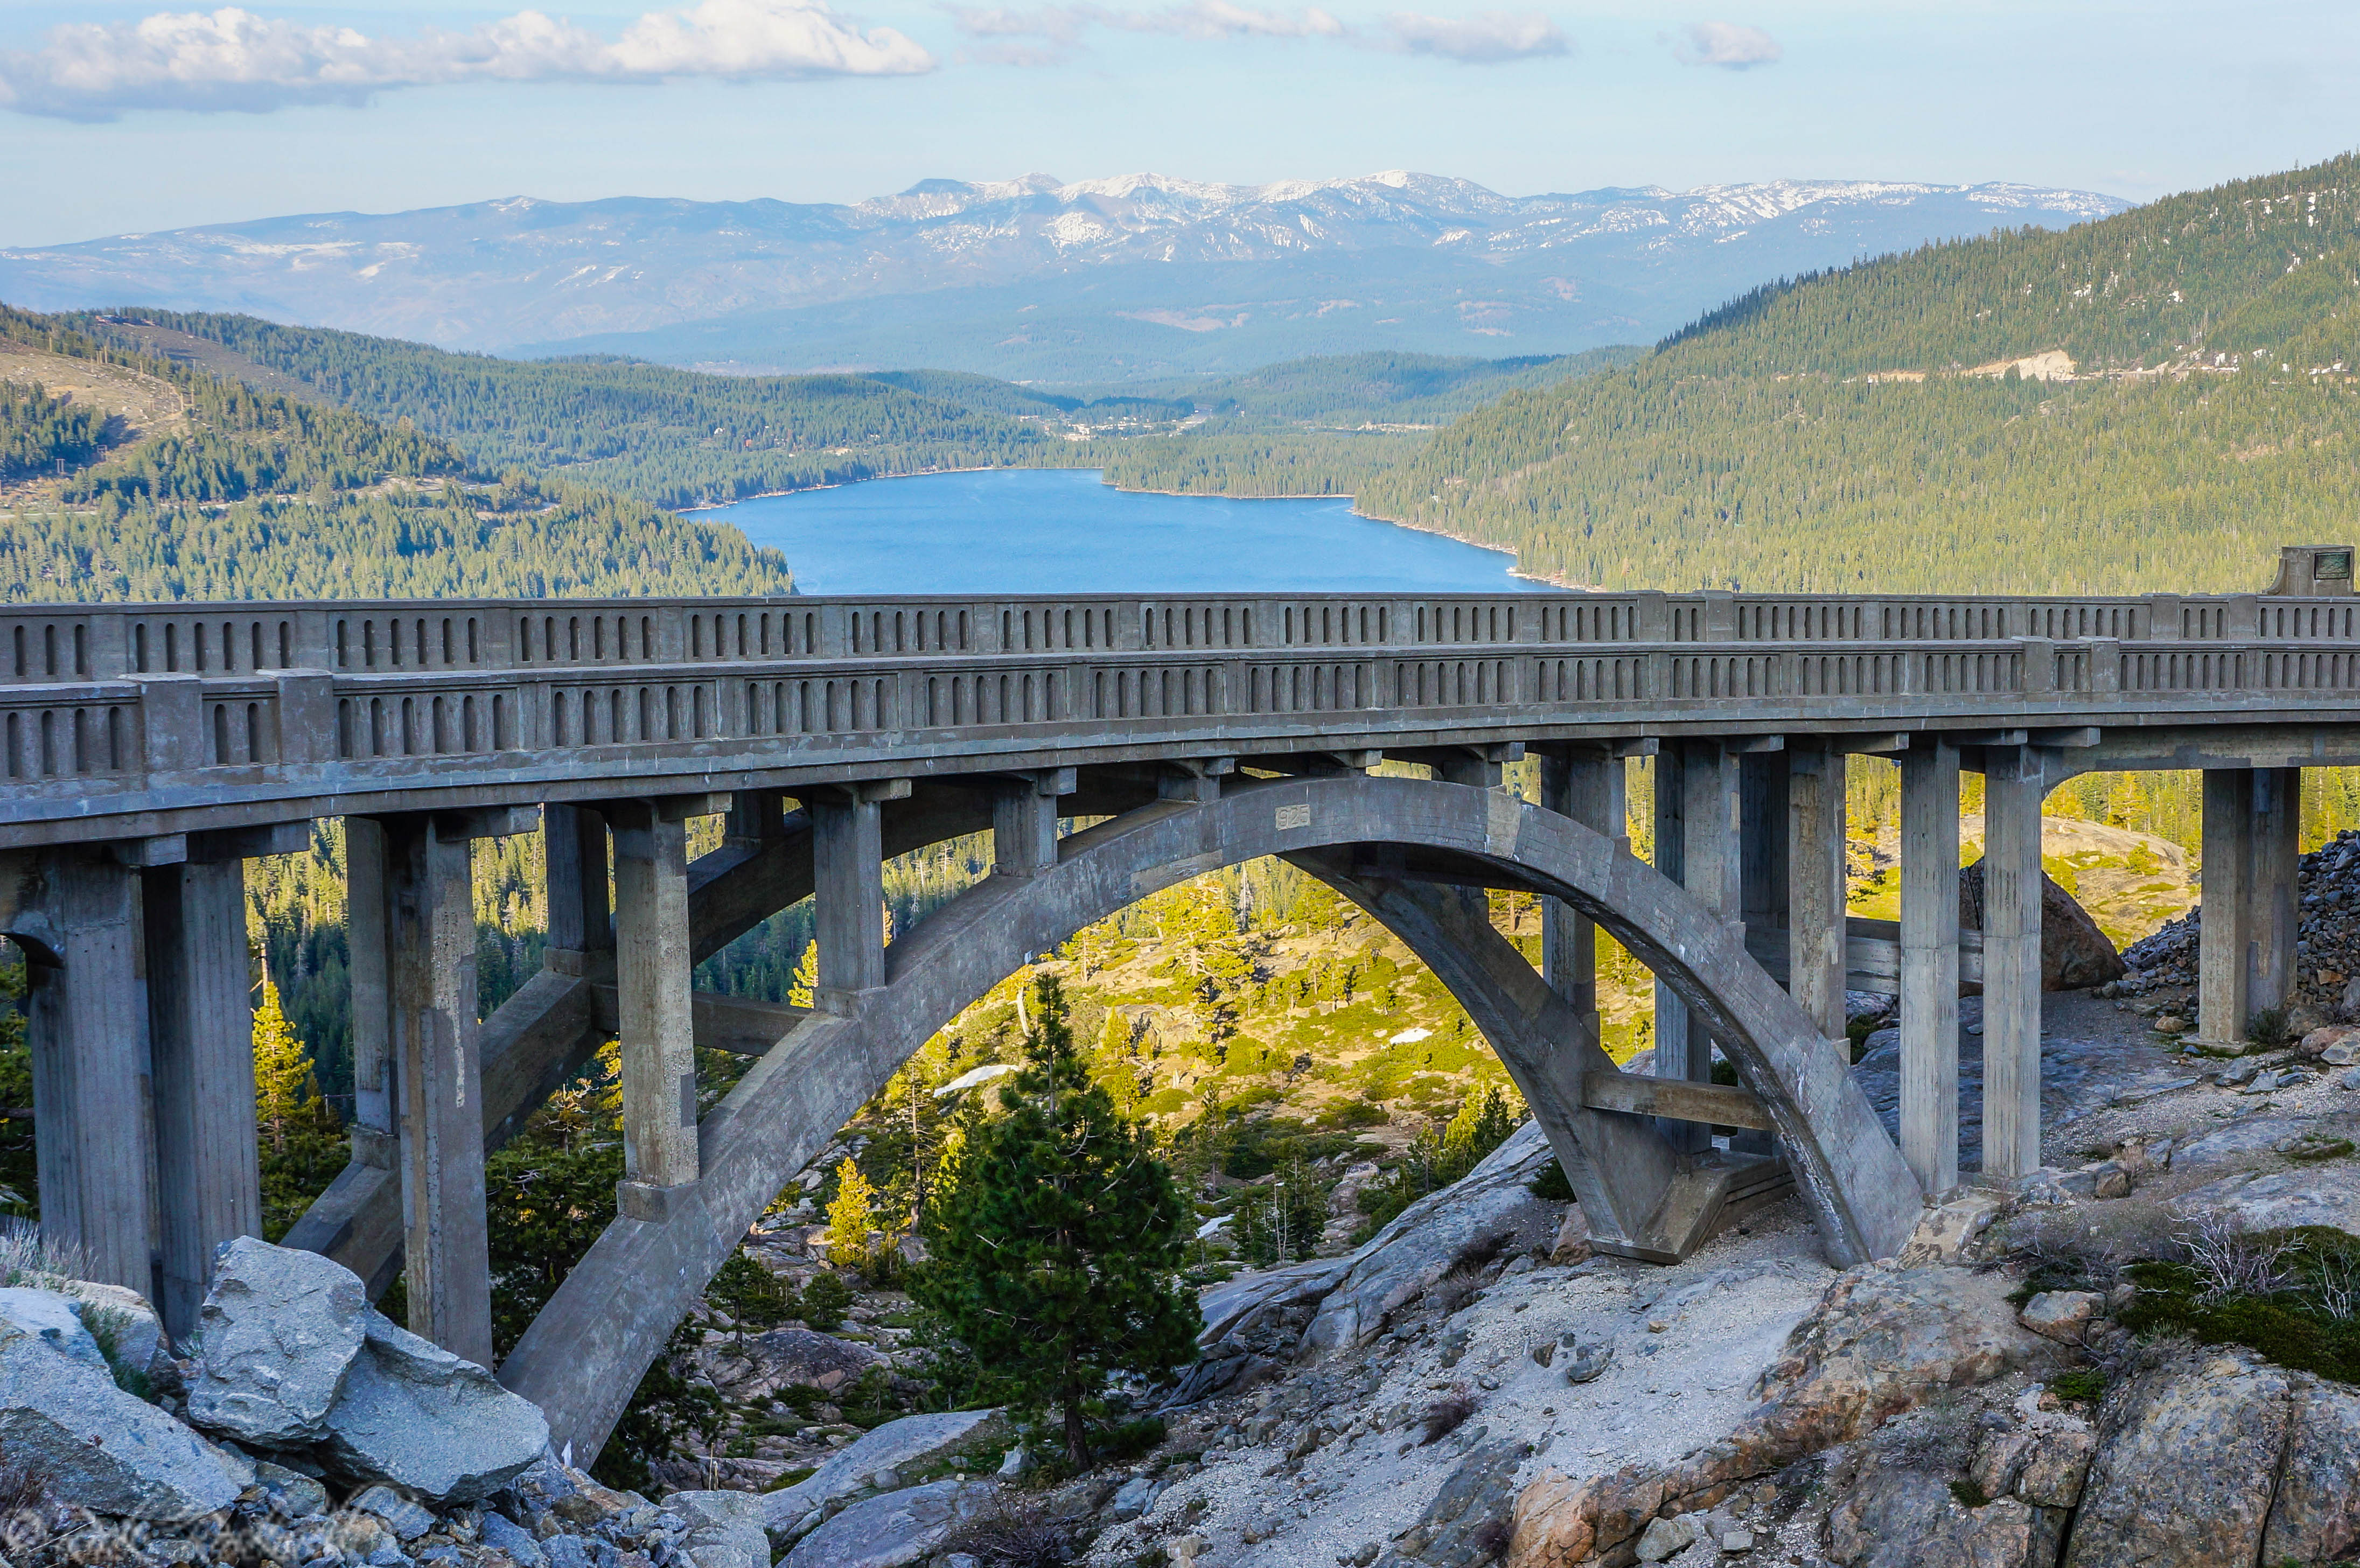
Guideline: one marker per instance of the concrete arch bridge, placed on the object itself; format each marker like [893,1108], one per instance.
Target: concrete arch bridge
[149,750]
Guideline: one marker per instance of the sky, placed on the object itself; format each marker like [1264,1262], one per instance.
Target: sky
[125,118]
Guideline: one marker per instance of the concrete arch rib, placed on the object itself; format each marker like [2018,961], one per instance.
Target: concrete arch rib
[585,1353]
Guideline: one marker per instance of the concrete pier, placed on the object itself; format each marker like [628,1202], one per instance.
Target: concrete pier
[1814,886]
[848,893]
[2015,781]
[201,1033]
[2225,1008]
[1588,785]
[652,961]
[429,932]
[2276,919]
[87,1022]
[1929,966]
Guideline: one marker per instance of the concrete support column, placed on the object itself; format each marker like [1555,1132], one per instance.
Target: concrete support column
[1697,845]
[1762,783]
[652,964]
[848,887]
[1024,821]
[376,1094]
[430,924]
[2277,865]
[1814,890]
[201,1041]
[581,929]
[1929,964]
[1589,787]
[2015,780]
[2224,970]
[87,1025]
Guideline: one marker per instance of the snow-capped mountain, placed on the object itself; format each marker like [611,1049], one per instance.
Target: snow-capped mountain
[1180,255]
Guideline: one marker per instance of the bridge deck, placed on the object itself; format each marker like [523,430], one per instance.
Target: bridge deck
[145,719]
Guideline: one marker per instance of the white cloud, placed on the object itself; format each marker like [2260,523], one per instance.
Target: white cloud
[1485,38]
[231,59]
[1728,45]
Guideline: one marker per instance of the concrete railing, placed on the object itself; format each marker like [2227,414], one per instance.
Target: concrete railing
[42,644]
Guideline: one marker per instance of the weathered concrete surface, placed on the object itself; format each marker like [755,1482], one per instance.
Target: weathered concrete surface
[584,1353]
[550,1026]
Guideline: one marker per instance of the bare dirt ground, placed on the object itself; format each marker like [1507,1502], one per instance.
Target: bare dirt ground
[137,405]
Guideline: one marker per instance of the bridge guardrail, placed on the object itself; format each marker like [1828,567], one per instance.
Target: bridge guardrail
[42,644]
[57,739]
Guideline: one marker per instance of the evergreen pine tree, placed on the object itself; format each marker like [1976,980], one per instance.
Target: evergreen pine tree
[282,1070]
[1055,1253]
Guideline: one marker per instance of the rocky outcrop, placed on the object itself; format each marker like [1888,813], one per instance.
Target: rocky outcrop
[1880,1341]
[725,1529]
[2075,953]
[279,1328]
[893,1529]
[897,1446]
[1467,1523]
[100,1448]
[1493,1208]
[2315,1513]
[293,1358]
[412,1413]
[2188,1466]
[2325,1196]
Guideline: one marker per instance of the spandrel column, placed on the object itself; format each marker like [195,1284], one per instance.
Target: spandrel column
[1587,784]
[1929,964]
[433,1040]
[652,967]
[87,1026]
[201,1024]
[2015,780]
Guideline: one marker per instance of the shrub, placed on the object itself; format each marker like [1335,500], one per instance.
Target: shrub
[1013,1536]
[1446,1415]
[2087,1385]
[2295,1306]
[824,1299]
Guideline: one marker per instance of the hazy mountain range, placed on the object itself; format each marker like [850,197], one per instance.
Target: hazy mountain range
[1099,281]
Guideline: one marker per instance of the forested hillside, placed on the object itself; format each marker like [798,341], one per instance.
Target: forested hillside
[678,438]
[208,489]
[1887,427]
[1345,391]
[674,438]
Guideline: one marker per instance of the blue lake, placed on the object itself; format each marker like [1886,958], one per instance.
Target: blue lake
[1060,531]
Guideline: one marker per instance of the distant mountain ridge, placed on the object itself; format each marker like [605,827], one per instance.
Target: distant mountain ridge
[1146,273]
